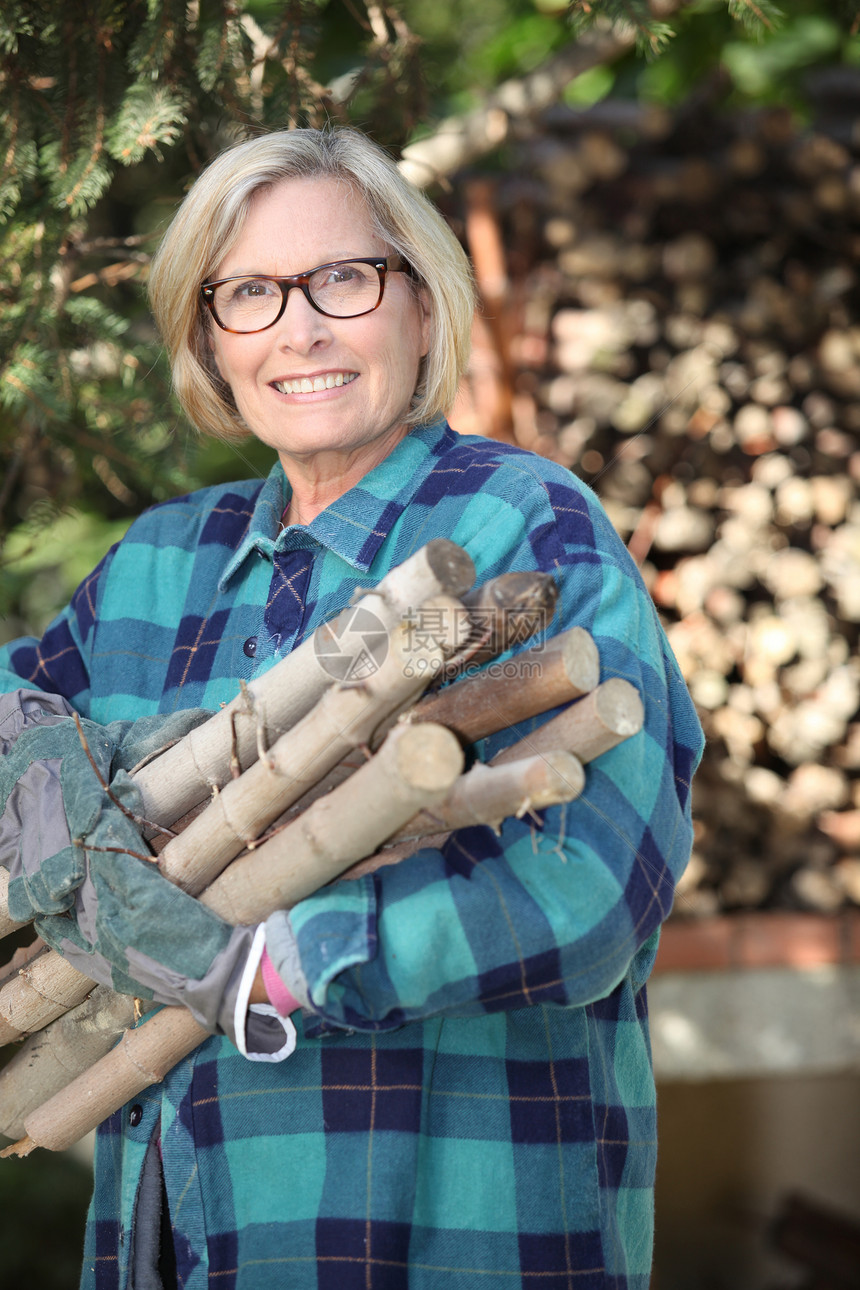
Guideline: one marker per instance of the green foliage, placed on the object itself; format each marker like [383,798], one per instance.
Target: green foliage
[758,53]
[108,108]
[43,1202]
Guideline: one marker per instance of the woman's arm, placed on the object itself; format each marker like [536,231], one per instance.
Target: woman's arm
[549,911]
[59,663]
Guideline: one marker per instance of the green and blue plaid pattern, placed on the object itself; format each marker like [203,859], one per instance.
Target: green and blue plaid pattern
[471,1100]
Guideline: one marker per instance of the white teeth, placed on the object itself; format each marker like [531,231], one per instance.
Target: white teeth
[310,385]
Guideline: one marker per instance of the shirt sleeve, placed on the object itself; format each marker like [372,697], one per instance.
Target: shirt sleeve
[59,663]
[552,911]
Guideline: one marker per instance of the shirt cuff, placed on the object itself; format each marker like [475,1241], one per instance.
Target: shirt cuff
[272,1037]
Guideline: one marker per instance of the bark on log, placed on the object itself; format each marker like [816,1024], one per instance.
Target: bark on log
[46,1062]
[534,682]
[508,611]
[588,728]
[486,795]
[413,768]
[42,991]
[343,719]
[186,774]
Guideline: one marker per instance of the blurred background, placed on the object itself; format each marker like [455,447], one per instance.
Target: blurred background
[662,204]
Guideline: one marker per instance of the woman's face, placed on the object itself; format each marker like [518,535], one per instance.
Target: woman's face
[291,228]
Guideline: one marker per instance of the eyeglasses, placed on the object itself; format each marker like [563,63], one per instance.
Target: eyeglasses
[343,289]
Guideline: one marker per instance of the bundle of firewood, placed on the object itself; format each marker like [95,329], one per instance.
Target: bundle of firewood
[304,778]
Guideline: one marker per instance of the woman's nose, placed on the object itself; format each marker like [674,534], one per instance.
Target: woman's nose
[301,326]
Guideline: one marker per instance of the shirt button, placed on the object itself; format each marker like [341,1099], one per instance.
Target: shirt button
[135,1115]
[250,646]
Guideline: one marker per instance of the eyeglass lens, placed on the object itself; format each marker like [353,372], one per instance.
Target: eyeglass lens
[340,290]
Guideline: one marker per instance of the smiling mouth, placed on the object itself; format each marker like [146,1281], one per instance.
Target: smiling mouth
[313,384]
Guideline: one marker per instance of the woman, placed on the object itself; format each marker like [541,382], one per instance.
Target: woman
[470,1098]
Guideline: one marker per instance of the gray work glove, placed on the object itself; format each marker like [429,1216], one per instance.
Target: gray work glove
[77,867]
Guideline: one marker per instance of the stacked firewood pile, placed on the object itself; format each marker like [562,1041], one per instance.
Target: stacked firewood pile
[681,329]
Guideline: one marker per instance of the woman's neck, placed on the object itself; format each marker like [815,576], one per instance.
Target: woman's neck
[318,480]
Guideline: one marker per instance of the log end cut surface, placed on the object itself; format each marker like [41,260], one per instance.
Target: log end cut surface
[425,756]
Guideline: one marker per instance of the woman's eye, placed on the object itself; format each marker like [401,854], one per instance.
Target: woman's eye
[340,275]
[253,289]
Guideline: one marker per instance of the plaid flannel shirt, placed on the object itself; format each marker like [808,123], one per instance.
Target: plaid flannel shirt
[471,1102]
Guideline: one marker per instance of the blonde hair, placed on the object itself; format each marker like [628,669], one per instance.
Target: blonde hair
[211,218]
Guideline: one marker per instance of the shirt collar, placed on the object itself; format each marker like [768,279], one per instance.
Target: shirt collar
[356,524]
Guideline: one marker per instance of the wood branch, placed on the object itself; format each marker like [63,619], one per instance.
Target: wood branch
[40,992]
[486,795]
[459,140]
[142,1057]
[414,768]
[187,773]
[533,682]
[507,611]
[343,719]
[491,794]
[49,1060]
[595,724]
[7,924]
[603,719]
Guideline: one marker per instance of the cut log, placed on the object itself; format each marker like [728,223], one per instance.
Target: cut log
[490,794]
[187,773]
[475,707]
[415,766]
[602,720]
[413,769]
[486,795]
[49,1060]
[343,719]
[41,991]
[588,728]
[525,686]
[142,1057]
